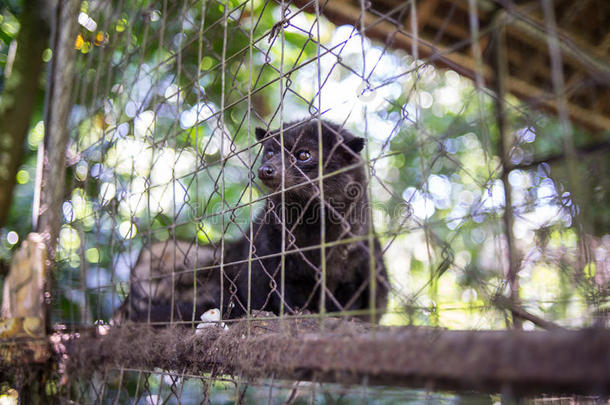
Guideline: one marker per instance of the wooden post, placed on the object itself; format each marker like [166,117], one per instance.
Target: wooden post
[24,346]
[57,110]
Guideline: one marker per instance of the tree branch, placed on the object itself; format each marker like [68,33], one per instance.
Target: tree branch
[602,147]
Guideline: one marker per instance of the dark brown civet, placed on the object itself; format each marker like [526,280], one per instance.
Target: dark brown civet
[301,218]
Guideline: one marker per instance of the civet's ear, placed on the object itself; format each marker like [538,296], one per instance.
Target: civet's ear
[356,144]
[260,133]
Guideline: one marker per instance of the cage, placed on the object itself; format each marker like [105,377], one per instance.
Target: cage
[325,201]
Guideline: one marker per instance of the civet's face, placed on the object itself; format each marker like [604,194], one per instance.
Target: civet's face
[302,154]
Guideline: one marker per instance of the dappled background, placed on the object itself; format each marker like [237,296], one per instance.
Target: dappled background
[154,113]
[166,99]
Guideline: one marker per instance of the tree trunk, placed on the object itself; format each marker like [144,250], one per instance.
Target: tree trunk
[20,95]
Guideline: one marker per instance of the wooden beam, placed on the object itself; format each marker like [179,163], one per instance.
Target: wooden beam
[575,50]
[516,362]
[604,45]
[344,12]
[456,30]
[24,352]
[425,10]
[546,101]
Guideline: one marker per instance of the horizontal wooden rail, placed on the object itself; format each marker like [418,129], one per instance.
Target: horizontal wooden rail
[519,363]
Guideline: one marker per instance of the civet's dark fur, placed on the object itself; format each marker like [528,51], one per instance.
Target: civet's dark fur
[346,216]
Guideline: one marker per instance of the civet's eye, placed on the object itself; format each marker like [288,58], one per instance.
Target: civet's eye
[268,154]
[303,155]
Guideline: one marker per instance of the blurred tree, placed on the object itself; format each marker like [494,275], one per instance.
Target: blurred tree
[27,37]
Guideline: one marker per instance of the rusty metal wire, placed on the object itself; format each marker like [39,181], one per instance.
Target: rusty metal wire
[164,156]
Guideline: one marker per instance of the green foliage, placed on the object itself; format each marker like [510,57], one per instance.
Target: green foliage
[166,104]
[9,27]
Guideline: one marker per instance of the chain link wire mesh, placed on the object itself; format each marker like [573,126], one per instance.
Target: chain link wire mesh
[485,174]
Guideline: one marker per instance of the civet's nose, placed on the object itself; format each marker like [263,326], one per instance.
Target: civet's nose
[266,172]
